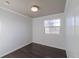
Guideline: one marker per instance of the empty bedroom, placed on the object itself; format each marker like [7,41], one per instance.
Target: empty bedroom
[39,28]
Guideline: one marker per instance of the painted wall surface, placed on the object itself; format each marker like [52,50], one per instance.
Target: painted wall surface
[15,31]
[53,40]
[72,28]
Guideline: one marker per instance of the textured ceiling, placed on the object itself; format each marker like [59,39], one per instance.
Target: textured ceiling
[47,7]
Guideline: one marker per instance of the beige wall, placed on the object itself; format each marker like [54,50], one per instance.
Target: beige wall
[53,40]
[15,31]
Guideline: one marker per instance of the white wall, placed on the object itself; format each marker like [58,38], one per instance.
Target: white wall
[15,31]
[72,28]
[53,40]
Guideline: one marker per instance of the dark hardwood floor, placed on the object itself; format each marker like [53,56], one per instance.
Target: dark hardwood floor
[34,50]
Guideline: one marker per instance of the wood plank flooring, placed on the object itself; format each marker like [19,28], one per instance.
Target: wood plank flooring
[34,50]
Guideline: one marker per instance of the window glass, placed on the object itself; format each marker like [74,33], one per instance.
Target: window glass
[52,26]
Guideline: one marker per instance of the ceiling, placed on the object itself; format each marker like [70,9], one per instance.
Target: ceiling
[47,7]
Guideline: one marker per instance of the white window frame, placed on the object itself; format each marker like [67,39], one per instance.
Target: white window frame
[52,26]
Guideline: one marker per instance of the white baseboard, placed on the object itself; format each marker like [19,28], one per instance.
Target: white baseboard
[15,49]
[49,45]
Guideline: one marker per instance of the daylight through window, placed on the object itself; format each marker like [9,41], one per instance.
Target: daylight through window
[52,26]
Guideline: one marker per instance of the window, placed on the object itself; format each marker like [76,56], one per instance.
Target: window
[52,26]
